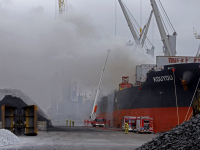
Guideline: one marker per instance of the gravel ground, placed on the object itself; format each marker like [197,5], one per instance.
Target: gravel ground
[7,138]
[81,138]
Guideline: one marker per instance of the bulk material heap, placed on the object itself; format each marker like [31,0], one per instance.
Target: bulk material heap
[184,136]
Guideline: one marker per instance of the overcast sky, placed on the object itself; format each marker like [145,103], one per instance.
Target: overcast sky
[36,42]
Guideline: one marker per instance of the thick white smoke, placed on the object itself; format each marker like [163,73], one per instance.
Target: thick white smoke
[34,46]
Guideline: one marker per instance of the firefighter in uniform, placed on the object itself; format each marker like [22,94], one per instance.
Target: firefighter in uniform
[126,128]
[73,123]
[66,122]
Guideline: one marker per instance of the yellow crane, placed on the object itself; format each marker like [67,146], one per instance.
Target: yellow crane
[61,6]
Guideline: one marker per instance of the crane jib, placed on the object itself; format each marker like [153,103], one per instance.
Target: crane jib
[94,109]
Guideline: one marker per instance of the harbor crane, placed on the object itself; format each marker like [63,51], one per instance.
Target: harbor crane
[61,6]
[169,41]
[196,35]
[140,37]
[198,52]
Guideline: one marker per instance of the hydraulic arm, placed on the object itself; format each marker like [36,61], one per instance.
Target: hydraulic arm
[94,109]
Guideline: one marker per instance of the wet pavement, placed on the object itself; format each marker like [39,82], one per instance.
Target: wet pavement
[81,138]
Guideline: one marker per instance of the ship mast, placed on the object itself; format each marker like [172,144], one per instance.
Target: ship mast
[146,29]
[133,32]
[197,36]
[169,41]
[139,40]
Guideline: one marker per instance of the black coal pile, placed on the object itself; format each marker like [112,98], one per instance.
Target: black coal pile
[24,97]
[183,137]
[19,103]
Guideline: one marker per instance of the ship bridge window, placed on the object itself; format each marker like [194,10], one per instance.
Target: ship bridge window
[99,120]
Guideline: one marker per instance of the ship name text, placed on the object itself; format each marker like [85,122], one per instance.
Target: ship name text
[163,78]
[183,60]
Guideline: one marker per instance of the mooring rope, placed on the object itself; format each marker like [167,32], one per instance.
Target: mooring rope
[176,96]
[192,99]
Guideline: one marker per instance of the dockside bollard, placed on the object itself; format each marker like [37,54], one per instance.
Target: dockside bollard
[66,122]
[70,123]
[73,123]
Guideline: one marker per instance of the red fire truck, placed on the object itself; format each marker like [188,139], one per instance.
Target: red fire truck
[144,124]
[99,121]
[131,122]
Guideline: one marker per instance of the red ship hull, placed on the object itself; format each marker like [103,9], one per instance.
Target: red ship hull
[164,119]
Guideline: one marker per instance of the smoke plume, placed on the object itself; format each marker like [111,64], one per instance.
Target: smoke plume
[35,46]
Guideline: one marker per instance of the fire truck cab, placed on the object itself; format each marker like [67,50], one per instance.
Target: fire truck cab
[144,124]
[131,122]
[99,121]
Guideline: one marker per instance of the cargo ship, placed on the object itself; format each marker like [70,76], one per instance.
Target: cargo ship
[163,91]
